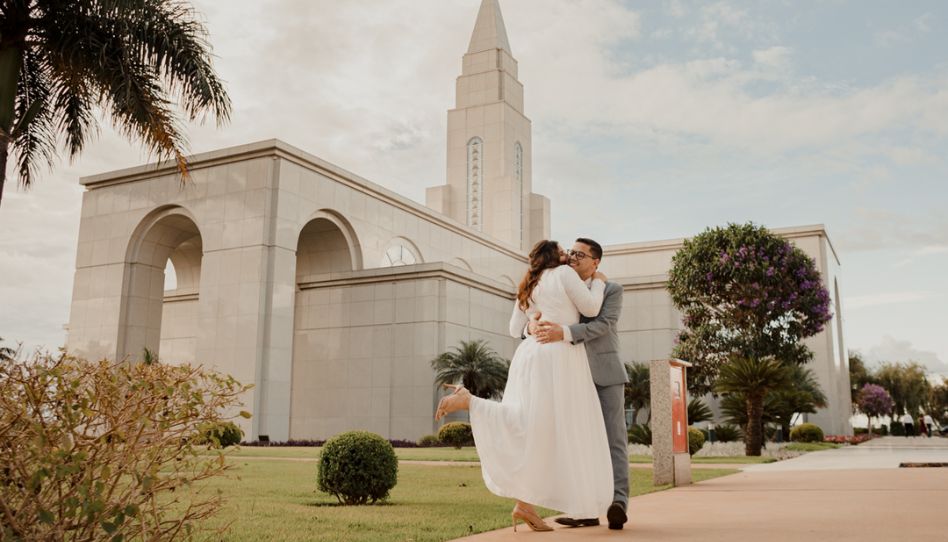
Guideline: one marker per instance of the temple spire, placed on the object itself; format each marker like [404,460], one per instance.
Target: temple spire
[489,31]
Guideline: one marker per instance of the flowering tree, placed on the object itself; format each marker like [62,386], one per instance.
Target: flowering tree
[874,401]
[745,294]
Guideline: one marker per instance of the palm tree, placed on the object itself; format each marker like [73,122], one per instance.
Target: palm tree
[638,394]
[698,411]
[475,365]
[802,395]
[137,60]
[752,378]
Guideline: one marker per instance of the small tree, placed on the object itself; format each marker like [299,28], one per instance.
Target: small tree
[874,402]
[859,375]
[638,392]
[746,296]
[939,402]
[475,365]
[908,385]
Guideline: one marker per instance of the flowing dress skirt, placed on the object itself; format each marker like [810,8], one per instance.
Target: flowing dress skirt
[545,442]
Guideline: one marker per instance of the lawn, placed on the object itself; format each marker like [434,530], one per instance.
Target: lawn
[728,460]
[464,454]
[277,500]
[811,446]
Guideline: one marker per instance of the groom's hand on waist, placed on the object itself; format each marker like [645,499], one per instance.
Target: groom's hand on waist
[548,332]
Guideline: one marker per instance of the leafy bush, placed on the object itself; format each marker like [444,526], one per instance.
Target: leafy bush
[806,432]
[456,434]
[640,434]
[428,441]
[727,433]
[220,435]
[695,440]
[357,467]
[897,429]
[94,450]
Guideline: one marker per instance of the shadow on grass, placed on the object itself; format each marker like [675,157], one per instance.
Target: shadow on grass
[315,504]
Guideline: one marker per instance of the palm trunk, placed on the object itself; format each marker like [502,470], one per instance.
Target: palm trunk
[4,149]
[11,60]
[754,432]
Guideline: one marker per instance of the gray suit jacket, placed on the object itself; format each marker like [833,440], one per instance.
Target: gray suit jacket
[601,337]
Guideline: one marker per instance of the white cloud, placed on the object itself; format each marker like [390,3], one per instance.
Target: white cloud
[773,57]
[884,298]
[894,350]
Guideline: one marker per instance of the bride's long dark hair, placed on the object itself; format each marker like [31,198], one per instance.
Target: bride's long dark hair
[545,255]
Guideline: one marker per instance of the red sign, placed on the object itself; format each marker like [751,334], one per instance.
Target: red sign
[679,411]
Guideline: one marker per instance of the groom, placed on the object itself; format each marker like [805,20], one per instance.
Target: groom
[601,339]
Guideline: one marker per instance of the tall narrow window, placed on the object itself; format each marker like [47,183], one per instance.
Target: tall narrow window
[475,183]
[518,190]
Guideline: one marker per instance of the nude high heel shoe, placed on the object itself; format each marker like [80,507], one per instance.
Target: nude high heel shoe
[531,519]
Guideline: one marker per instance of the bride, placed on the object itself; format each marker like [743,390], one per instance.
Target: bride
[545,443]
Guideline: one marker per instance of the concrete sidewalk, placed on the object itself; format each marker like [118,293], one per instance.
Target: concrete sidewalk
[852,494]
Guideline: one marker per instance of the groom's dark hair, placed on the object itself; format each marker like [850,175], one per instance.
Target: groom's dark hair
[595,248]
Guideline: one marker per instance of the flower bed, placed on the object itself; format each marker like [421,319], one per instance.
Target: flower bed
[848,439]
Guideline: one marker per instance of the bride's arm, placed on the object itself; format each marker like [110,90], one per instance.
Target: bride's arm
[518,321]
[587,300]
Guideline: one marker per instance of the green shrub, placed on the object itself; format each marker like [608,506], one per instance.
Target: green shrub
[806,432]
[897,429]
[357,467]
[640,434]
[456,434]
[727,433]
[220,434]
[59,482]
[428,441]
[695,440]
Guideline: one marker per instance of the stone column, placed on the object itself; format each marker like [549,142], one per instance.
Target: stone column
[669,404]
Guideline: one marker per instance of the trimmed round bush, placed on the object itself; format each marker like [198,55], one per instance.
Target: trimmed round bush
[806,432]
[456,434]
[221,434]
[640,434]
[727,433]
[428,441]
[695,440]
[357,467]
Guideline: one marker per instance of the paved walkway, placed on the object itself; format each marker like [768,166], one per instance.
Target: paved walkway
[852,494]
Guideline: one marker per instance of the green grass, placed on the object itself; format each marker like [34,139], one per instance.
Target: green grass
[277,500]
[451,454]
[312,452]
[811,446]
[732,460]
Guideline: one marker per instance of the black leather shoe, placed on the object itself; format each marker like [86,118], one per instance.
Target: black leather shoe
[616,516]
[570,522]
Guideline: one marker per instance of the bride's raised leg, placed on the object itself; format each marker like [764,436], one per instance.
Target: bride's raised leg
[459,400]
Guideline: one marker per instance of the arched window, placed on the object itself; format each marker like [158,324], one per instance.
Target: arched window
[475,183]
[518,189]
[400,251]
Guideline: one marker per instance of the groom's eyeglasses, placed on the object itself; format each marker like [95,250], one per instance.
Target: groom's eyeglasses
[576,254]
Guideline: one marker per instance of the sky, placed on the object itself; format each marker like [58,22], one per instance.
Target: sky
[651,120]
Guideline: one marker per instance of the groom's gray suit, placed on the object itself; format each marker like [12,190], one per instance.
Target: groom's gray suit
[601,338]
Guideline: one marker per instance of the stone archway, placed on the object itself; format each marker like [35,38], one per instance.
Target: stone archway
[164,322]
[326,247]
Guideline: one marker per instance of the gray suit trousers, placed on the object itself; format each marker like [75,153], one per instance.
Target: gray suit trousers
[612,400]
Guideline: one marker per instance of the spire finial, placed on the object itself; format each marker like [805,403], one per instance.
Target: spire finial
[489,31]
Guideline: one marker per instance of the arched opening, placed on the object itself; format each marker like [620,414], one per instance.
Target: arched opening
[320,334]
[160,309]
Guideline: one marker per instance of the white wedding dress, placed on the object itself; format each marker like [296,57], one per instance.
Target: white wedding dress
[545,442]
